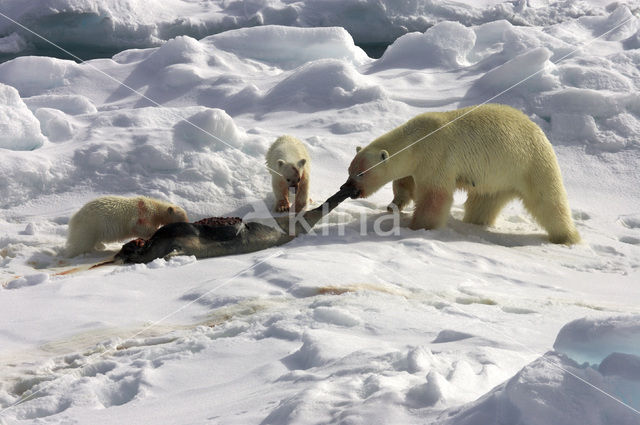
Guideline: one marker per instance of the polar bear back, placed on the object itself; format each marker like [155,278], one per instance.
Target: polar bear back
[473,145]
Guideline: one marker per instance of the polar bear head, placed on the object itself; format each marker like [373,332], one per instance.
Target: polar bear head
[368,171]
[175,214]
[291,172]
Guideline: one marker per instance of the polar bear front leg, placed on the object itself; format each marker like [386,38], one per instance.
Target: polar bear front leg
[143,228]
[403,192]
[302,196]
[281,192]
[432,209]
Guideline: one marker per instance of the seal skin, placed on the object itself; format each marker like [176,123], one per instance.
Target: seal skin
[202,240]
[219,236]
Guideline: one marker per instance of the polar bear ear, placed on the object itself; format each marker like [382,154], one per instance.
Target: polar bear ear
[280,163]
[302,162]
[170,210]
[384,155]
[358,149]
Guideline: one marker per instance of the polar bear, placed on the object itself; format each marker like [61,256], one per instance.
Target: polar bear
[114,218]
[289,163]
[494,152]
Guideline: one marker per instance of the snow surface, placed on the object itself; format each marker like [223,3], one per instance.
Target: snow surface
[362,322]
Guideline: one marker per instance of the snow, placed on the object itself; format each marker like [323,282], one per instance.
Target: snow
[88,26]
[19,129]
[445,44]
[290,47]
[31,75]
[361,321]
[591,340]
[211,128]
[608,347]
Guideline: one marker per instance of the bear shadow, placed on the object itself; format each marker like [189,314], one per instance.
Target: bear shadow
[489,234]
[328,233]
[379,226]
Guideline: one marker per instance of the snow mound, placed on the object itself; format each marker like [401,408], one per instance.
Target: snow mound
[599,25]
[580,115]
[336,316]
[445,44]
[31,75]
[69,104]
[321,347]
[99,24]
[623,365]
[290,47]
[27,177]
[322,84]
[55,124]
[181,49]
[578,101]
[210,128]
[609,351]
[591,340]
[525,73]
[544,392]
[595,79]
[19,129]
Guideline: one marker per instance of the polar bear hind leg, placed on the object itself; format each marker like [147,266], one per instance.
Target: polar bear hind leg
[483,208]
[552,212]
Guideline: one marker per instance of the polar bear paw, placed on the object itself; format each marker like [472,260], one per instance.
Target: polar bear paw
[282,206]
[396,206]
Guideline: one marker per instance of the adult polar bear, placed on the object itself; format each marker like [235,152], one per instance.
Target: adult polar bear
[494,152]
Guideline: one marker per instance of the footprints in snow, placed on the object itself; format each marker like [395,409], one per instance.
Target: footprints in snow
[631,240]
[631,222]
[416,377]
[92,378]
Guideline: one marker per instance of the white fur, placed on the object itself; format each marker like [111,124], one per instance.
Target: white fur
[114,218]
[287,160]
[494,152]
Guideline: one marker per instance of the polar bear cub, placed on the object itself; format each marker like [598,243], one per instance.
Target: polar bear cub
[289,164]
[114,218]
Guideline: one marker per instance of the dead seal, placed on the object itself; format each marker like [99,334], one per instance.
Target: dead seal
[217,236]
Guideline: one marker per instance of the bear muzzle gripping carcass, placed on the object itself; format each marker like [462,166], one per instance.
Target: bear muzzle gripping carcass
[220,236]
[351,187]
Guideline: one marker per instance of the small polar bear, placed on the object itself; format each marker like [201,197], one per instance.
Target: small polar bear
[494,152]
[114,218]
[289,163]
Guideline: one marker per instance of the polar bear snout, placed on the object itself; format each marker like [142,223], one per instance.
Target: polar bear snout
[351,188]
[294,182]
